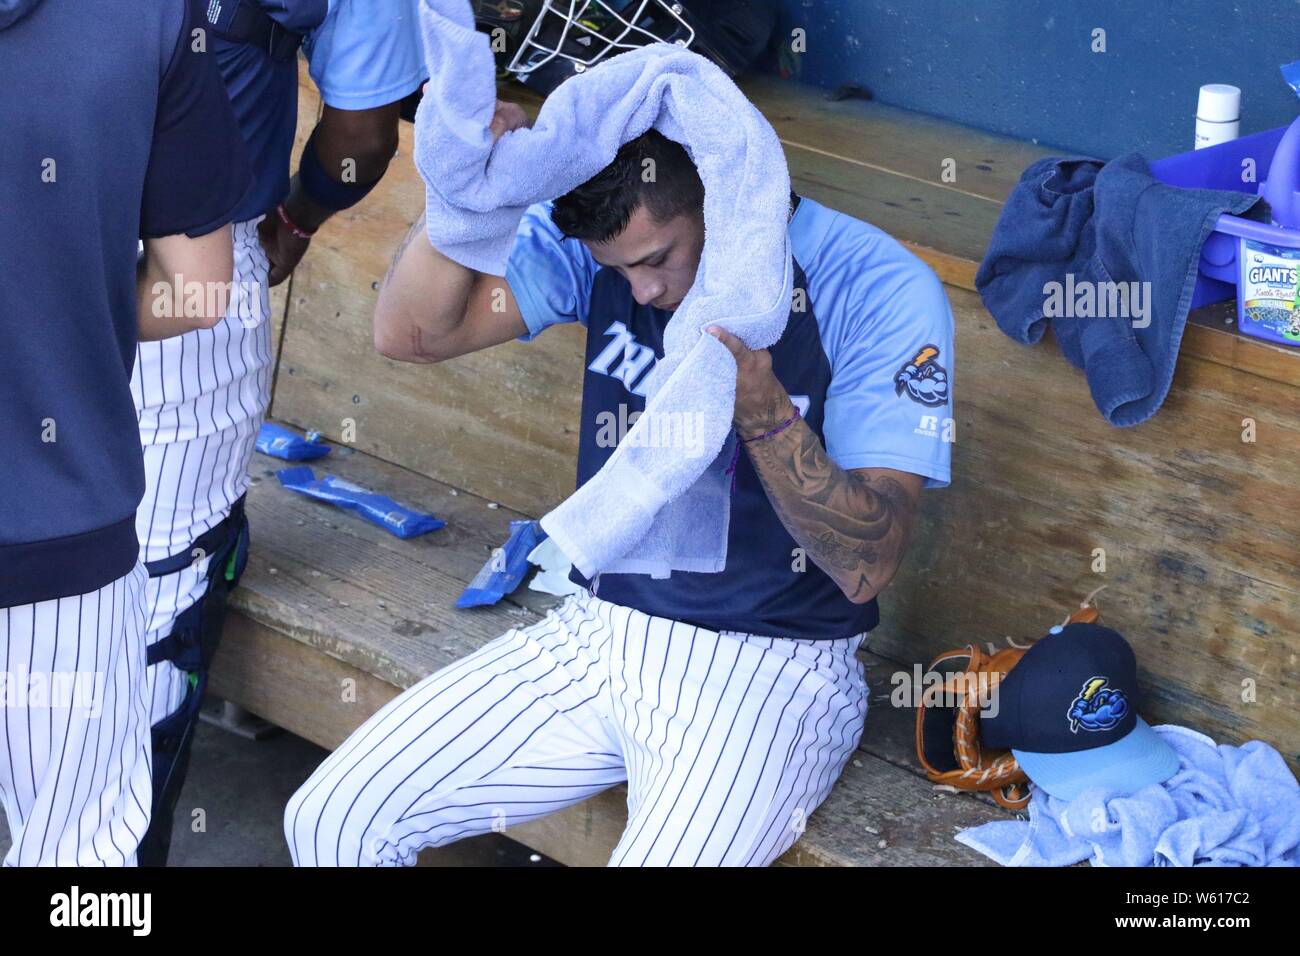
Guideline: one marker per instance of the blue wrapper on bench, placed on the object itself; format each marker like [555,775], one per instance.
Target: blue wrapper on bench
[506,568]
[388,514]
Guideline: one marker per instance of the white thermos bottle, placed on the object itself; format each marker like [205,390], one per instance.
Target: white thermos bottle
[1218,114]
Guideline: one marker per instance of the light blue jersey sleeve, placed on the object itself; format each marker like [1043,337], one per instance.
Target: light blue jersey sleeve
[366,53]
[887,329]
[549,274]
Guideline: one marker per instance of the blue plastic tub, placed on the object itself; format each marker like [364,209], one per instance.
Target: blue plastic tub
[1221,167]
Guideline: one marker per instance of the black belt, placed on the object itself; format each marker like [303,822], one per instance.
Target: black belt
[209,542]
[197,629]
[255,27]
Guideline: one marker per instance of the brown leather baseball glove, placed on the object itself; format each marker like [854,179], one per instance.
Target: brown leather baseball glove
[947,721]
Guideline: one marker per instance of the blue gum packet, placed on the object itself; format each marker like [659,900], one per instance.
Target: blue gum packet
[1291,73]
[375,508]
[280,442]
[506,568]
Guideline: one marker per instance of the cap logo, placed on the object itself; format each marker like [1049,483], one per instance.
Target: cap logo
[1097,707]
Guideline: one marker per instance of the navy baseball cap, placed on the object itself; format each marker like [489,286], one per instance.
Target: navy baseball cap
[1068,712]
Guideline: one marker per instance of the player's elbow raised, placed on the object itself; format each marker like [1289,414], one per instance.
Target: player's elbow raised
[861,594]
[391,345]
[398,337]
[880,579]
[869,585]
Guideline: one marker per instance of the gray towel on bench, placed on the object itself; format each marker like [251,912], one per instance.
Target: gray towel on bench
[651,509]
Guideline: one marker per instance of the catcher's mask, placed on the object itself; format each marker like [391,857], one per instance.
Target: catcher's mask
[543,42]
[957,688]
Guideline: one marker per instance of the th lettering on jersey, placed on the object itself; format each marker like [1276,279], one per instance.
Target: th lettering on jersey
[634,359]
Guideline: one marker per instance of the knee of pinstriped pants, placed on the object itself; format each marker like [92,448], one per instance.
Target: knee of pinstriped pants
[324,829]
[292,812]
[315,827]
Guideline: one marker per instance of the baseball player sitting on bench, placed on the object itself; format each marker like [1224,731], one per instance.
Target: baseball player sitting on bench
[729,702]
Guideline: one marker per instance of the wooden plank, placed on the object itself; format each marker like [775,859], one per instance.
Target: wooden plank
[953,223]
[378,602]
[1212,335]
[931,183]
[293,685]
[892,139]
[951,270]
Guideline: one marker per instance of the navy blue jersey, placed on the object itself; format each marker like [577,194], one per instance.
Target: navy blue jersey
[765,588]
[867,361]
[114,128]
[264,94]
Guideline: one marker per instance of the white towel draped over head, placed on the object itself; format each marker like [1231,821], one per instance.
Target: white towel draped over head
[650,509]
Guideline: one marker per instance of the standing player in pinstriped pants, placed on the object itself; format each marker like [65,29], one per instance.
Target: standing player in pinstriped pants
[130,135]
[729,702]
[201,398]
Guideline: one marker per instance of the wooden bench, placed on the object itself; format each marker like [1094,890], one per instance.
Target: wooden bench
[335,617]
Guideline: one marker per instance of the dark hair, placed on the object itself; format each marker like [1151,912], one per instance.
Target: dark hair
[600,208]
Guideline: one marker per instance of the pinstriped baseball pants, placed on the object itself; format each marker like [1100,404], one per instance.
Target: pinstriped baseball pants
[200,398]
[727,741]
[75,762]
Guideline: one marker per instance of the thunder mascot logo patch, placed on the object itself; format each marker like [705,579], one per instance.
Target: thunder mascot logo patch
[924,379]
[1097,707]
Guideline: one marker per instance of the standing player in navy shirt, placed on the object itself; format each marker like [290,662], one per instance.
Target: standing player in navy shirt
[729,702]
[199,401]
[201,398]
[112,132]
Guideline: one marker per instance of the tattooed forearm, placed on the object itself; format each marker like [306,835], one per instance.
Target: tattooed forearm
[853,524]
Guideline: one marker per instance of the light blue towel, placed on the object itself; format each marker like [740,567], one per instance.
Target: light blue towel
[651,509]
[1226,806]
